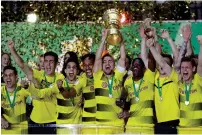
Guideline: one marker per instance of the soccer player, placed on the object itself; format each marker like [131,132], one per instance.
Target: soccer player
[107,87]
[190,90]
[166,94]
[69,108]
[89,109]
[13,104]
[140,87]
[44,112]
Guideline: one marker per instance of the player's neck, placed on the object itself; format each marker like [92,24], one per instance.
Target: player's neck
[11,89]
[51,75]
[71,80]
[109,76]
[189,80]
[162,75]
[137,78]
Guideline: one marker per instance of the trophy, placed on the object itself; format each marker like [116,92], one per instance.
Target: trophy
[149,31]
[112,19]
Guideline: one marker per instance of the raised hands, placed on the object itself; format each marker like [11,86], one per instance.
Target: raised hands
[11,44]
[4,124]
[104,33]
[150,42]
[186,32]
[142,33]
[165,34]
[59,83]
[199,38]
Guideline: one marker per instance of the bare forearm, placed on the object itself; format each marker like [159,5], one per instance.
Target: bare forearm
[173,47]
[144,54]
[17,58]
[189,49]
[122,55]
[157,56]
[100,50]
[181,55]
[199,67]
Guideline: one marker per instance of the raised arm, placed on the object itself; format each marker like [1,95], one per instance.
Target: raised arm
[199,67]
[25,68]
[186,34]
[98,57]
[159,59]
[122,59]
[144,54]
[166,35]
[186,48]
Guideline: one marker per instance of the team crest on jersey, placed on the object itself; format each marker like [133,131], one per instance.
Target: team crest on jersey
[43,83]
[91,88]
[104,84]
[115,87]
[191,92]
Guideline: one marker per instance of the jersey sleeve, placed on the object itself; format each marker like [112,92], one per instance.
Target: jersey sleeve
[198,79]
[37,73]
[97,75]
[174,76]
[119,73]
[149,76]
[42,93]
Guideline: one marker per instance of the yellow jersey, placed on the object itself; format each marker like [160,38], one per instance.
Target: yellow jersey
[167,108]
[69,110]
[107,110]
[16,116]
[89,109]
[190,110]
[18,113]
[45,105]
[141,97]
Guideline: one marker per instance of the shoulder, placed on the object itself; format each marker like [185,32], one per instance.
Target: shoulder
[59,75]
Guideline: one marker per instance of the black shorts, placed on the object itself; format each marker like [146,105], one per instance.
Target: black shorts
[168,127]
[45,128]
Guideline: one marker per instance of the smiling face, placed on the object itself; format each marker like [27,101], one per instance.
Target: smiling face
[108,65]
[71,71]
[187,70]
[10,78]
[137,68]
[49,65]
[88,67]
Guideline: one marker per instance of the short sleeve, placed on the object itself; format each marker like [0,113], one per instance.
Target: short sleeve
[174,76]
[37,73]
[60,76]
[97,75]
[119,74]
[149,76]
[198,79]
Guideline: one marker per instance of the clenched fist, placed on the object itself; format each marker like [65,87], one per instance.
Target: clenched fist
[199,38]
[11,44]
[59,83]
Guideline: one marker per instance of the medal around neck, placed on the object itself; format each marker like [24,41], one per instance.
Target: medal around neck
[110,95]
[160,98]
[186,102]
[137,99]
